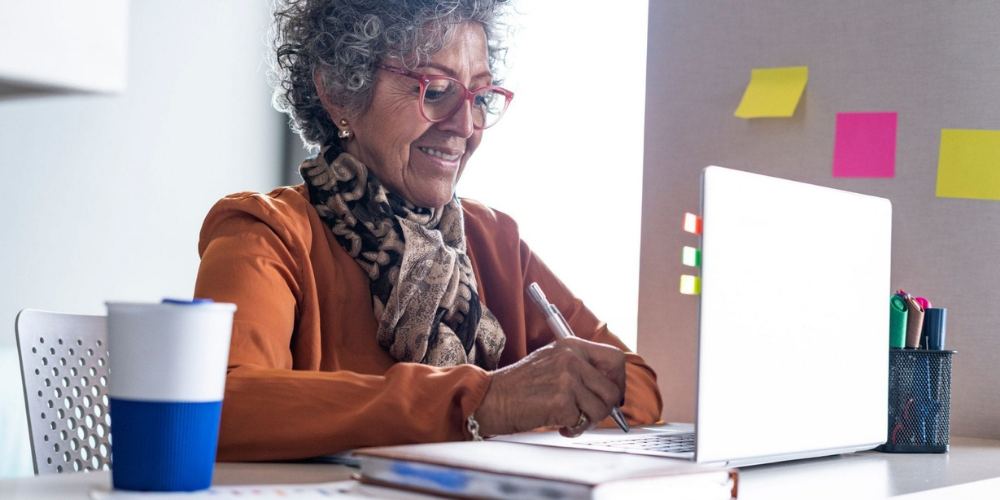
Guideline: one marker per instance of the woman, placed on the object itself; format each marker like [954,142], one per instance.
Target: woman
[374,307]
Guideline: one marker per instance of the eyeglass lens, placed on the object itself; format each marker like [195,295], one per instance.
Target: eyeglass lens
[443,96]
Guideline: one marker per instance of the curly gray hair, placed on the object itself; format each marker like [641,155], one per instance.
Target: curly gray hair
[343,39]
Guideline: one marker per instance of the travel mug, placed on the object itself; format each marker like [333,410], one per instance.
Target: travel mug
[167,376]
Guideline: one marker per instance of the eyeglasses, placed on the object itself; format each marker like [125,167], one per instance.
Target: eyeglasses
[442,96]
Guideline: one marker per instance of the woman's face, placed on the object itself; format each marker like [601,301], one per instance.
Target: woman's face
[413,158]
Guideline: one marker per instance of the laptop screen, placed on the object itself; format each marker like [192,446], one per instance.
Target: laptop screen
[793,317]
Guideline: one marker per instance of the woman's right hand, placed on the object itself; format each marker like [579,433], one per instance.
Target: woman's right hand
[553,387]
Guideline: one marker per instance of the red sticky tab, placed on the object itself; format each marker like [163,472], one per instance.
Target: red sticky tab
[692,223]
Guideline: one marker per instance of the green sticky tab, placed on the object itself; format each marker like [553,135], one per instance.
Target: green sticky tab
[691,257]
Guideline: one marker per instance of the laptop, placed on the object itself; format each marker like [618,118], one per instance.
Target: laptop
[792,328]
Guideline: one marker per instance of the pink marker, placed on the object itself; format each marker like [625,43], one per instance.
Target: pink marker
[926,304]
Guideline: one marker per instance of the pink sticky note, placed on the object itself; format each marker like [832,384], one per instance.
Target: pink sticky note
[865,145]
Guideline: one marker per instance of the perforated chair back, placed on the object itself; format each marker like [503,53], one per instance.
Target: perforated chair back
[64,363]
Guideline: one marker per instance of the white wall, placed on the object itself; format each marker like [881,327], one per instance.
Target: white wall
[106,194]
[90,52]
[566,159]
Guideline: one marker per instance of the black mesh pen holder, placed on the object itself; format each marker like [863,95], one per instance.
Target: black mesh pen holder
[919,401]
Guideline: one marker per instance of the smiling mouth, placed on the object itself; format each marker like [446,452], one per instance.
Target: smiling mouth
[440,154]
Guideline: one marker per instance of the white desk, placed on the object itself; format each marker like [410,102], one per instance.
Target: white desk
[77,486]
[970,466]
[970,470]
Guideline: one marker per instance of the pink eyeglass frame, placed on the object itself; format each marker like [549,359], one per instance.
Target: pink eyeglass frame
[469,94]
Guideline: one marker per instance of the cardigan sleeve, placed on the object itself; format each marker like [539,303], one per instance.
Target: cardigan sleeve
[499,247]
[277,406]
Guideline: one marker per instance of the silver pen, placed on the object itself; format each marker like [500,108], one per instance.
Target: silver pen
[560,327]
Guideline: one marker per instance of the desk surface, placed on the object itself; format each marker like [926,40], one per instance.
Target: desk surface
[972,467]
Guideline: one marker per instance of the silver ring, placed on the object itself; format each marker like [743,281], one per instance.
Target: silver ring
[582,421]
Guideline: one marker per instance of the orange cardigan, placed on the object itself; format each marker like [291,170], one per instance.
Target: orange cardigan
[307,376]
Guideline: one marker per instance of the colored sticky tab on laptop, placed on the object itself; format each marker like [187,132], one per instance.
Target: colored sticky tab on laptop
[692,223]
[691,257]
[690,285]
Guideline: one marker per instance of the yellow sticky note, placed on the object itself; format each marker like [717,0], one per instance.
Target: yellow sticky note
[773,92]
[690,285]
[969,164]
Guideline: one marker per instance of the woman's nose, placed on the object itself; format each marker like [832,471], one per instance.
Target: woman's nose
[460,122]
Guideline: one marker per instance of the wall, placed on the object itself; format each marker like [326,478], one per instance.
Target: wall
[570,148]
[89,53]
[932,62]
[105,195]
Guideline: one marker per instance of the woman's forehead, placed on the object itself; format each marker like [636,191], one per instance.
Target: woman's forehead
[463,50]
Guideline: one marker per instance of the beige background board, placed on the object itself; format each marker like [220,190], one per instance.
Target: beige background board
[935,63]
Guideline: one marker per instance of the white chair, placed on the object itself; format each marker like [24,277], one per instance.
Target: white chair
[64,364]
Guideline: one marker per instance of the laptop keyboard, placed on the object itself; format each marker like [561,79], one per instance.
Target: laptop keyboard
[666,443]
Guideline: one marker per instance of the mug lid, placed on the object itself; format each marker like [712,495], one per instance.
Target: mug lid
[184,302]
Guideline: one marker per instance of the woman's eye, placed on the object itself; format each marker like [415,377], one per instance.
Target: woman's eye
[433,95]
[486,100]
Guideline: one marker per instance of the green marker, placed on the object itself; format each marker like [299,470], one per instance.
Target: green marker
[898,312]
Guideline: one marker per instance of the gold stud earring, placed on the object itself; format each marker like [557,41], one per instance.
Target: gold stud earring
[344,133]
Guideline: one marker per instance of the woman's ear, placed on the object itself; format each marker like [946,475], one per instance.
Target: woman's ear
[335,111]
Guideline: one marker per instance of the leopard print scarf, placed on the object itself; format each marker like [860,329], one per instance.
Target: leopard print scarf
[424,292]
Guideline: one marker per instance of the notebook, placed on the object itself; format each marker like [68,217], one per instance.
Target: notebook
[498,470]
[792,328]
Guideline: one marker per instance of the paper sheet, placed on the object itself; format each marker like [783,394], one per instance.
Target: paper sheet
[350,490]
[773,92]
[969,164]
[865,145]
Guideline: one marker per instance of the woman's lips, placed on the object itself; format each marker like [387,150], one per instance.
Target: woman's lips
[446,155]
